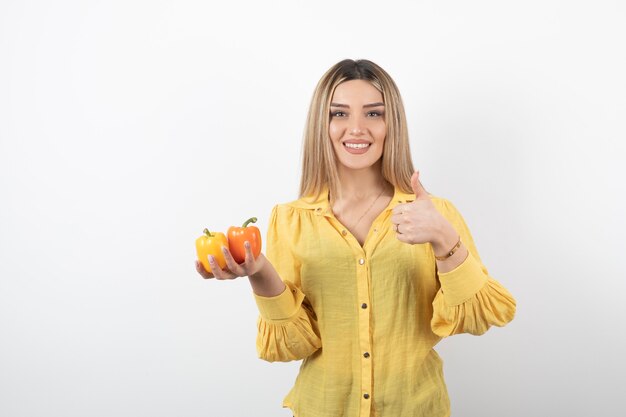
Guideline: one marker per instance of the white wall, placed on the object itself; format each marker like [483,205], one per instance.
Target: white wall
[126,127]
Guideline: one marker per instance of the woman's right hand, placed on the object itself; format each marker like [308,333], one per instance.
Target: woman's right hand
[263,277]
[233,270]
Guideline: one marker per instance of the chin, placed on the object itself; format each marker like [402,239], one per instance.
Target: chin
[357,165]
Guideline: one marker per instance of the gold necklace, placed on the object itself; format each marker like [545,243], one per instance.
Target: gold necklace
[368,209]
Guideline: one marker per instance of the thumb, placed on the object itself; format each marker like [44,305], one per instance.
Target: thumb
[418,189]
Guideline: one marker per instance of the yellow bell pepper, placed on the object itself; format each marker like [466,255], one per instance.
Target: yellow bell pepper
[211,244]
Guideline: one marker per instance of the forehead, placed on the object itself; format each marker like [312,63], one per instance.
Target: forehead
[356,92]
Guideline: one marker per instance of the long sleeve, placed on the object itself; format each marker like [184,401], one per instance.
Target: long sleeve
[469,300]
[287,327]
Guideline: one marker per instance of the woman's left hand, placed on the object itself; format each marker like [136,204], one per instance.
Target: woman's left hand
[420,222]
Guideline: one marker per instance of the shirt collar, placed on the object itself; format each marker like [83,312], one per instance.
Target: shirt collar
[321,206]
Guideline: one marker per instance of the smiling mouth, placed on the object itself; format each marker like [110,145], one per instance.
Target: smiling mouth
[357,145]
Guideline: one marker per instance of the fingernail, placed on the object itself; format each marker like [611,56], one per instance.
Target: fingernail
[224,249]
[211,259]
[246,244]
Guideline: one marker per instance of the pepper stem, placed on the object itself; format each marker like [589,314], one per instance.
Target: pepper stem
[206,232]
[250,220]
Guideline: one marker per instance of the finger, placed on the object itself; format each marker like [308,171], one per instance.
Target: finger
[401,208]
[230,262]
[249,262]
[398,218]
[418,189]
[217,271]
[404,215]
[202,270]
[403,238]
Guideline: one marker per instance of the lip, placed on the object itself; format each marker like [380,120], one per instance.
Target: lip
[359,151]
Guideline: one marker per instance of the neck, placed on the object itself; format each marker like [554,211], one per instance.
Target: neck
[361,184]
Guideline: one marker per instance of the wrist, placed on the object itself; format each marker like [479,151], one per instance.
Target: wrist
[260,263]
[265,281]
[445,241]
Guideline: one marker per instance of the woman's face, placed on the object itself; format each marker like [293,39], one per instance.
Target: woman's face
[357,124]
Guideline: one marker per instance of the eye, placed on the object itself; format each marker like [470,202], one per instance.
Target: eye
[374,113]
[337,113]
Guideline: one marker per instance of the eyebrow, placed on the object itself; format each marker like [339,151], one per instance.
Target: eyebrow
[365,106]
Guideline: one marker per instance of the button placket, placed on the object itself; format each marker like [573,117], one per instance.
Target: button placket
[363,283]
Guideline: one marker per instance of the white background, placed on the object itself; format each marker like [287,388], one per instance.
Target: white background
[126,127]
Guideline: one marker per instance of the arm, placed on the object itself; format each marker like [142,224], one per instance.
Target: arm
[287,326]
[469,300]
[266,282]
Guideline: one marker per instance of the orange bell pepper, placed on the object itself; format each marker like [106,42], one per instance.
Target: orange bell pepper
[211,244]
[238,235]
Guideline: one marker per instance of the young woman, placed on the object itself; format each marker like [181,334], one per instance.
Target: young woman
[366,271]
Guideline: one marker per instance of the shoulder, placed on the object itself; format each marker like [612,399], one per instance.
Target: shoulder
[304,204]
[294,206]
[281,210]
[286,212]
[445,207]
[441,202]
[452,214]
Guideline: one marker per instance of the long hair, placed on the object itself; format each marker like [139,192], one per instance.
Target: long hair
[319,163]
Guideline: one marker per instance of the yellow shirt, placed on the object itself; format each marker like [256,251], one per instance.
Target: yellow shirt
[365,319]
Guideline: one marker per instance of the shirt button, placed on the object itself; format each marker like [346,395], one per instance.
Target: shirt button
[366,396]
[343,232]
[361,261]
[363,306]
[318,209]
[366,355]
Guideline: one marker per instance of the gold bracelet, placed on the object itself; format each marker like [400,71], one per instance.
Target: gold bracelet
[450,252]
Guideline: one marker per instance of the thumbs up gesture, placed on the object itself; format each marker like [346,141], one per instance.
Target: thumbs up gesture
[420,222]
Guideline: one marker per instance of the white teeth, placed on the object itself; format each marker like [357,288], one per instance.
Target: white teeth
[356,145]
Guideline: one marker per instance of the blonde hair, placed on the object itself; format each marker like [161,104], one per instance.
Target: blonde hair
[319,166]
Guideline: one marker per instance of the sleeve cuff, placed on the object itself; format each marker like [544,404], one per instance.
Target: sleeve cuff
[463,282]
[282,306]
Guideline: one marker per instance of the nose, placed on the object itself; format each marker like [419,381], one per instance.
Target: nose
[356,126]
